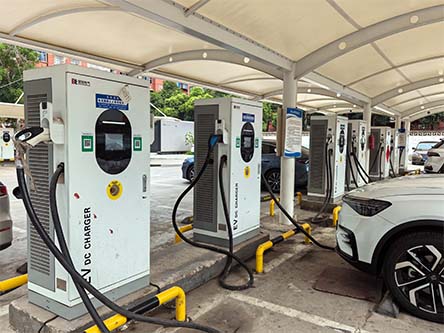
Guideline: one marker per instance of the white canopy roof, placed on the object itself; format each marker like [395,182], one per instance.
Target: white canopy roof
[346,53]
[10,110]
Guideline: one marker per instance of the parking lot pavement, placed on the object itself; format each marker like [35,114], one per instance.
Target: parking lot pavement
[284,299]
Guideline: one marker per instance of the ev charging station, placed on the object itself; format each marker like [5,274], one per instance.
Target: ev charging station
[356,147]
[239,122]
[99,127]
[380,155]
[7,146]
[328,153]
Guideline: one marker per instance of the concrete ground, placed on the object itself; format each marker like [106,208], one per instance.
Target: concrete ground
[283,299]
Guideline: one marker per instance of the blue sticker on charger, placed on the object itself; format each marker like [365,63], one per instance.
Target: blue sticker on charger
[110,102]
[248,117]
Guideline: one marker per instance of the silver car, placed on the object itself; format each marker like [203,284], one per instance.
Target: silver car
[5,219]
[419,156]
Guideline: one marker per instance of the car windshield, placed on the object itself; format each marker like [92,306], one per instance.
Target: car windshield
[425,145]
[439,144]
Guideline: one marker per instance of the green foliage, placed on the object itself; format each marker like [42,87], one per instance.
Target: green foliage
[172,101]
[13,61]
[269,115]
[430,122]
[175,103]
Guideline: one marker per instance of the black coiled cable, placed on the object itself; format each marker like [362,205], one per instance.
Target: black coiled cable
[291,219]
[211,145]
[64,248]
[80,280]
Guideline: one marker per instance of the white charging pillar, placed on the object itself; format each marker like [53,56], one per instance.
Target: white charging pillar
[288,164]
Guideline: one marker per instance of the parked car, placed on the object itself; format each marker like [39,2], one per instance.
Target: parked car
[435,161]
[419,156]
[271,166]
[5,219]
[395,228]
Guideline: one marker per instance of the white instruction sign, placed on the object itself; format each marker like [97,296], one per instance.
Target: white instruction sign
[402,138]
[124,95]
[293,133]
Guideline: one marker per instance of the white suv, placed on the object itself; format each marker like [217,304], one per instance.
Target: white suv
[435,159]
[396,228]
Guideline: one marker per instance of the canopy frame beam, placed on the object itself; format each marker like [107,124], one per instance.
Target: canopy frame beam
[368,35]
[381,98]
[425,107]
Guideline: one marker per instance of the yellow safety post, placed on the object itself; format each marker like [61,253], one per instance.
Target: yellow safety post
[272,206]
[307,228]
[163,297]
[185,228]
[12,283]
[299,196]
[111,323]
[269,244]
[336,211]
[272,203]
[178,294]
[260,255]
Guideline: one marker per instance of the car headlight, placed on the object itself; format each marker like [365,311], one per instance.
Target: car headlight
[366,207]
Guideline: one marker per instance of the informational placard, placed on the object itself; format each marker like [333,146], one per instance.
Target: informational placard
[293,133]
[402,138]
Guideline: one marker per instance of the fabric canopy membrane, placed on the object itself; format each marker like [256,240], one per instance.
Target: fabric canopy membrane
[346,53]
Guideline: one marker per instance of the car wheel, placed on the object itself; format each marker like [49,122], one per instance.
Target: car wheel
[190,173]
[414,273]
[273,178]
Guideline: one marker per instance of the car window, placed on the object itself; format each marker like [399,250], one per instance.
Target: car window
[268,148]
[425,145]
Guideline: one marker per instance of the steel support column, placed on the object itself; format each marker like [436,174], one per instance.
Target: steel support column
[288,164]
[367,116]
[405,157]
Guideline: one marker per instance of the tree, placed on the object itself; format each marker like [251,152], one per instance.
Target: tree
[269,115]
[430,122]
[13,61]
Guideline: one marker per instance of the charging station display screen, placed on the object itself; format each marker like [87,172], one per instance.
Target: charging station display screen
[248,142]
[113,141]
[6,137]
[247,139]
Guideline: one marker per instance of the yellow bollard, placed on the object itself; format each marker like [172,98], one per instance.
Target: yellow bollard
[272,203]
[299,196]
[336,211]
[260,255]
[111,323]
[185,228]
[12,283]
[163,297]
[307,228]
[178,294]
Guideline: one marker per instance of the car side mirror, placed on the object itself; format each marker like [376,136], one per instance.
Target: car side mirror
[414,149]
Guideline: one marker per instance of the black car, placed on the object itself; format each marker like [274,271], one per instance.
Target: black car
[271,167]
